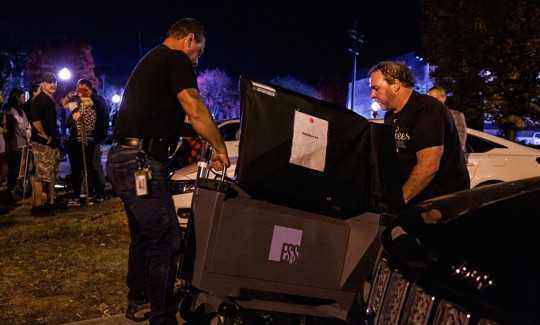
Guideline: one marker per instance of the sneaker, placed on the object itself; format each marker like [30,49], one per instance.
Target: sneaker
[41,211]
[55,205]
[84,201]
[3,210]
[97,199]
[138,311]
[73,203]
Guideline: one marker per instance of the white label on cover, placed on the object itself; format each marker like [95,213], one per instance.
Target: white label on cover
[310,139]
[285,245]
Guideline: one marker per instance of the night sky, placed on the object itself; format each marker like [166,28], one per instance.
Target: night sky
[262,39]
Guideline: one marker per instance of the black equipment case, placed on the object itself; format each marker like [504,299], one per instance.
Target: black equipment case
[299,230]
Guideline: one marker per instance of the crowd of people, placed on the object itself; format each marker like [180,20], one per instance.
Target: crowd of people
[31,146]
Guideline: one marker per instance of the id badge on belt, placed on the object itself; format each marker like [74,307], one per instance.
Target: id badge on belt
[141,183]
[142,176]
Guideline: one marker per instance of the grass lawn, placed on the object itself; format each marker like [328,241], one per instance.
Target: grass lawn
[64,268]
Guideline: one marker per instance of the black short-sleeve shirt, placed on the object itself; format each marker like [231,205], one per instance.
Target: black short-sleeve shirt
[425,122]
[43,109]
[150,107]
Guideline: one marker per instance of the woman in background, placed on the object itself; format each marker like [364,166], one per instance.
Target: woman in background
[17,137]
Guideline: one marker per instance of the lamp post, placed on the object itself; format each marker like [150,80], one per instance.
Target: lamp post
[375,107]
[64,75]
[356,38]
[116,99]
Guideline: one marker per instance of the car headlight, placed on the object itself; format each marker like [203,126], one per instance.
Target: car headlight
[382,275]
[418,306]
[394,299]
[182,186]
[448,313]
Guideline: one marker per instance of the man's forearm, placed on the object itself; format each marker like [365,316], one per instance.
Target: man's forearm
[207,128]
[41,131]
[427,165]
[201,120]
[39,128]
[416,183]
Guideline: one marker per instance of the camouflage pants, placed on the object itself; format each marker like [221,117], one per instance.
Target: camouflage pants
[45,162]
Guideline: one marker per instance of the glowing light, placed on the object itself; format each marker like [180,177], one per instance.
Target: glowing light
[375,106]
[116,99]
[64,74]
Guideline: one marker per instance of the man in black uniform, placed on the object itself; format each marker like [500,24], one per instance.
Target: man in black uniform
[427,142]
[161,91]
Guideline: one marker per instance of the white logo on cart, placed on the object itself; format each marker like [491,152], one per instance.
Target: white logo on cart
[285,244]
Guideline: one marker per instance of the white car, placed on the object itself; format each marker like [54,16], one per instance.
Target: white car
[490,159]
[182,181]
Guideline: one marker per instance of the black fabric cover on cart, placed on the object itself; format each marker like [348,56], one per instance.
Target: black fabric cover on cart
[385,179]
[340,185]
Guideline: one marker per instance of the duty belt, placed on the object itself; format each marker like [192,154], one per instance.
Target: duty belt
[134,143]
[155,147]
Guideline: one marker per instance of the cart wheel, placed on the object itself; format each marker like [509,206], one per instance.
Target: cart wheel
[311,320]
[228,314]
[189,310]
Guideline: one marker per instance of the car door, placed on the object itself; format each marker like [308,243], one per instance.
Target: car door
[479,162]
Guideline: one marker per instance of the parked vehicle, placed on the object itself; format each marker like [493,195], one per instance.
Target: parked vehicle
[491,159]
[182,182]
[533,140]
[466,258]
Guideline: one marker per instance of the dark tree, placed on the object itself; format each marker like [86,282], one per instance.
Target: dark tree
[54,54]
[487,55]
[219,93]
[291,83]
[12,70]
[332,88]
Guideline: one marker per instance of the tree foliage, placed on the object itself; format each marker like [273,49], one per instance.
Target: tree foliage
[332,88]
[219,93]
[54,54]
[487,55]
[12,70]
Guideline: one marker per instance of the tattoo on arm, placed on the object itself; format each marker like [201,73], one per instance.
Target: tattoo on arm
[193,93]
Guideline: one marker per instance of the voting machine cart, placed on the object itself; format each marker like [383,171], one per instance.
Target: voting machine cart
[298,231]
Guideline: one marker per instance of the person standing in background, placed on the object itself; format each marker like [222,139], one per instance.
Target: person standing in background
[3,158]
[44,139]
[100,128]
[17,138]
[459,118]
[33,91]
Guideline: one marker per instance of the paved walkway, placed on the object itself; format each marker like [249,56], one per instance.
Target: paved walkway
[115,320]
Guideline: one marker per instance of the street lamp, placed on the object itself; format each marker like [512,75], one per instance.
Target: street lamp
[375,107]
[64,75]
[116,99]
